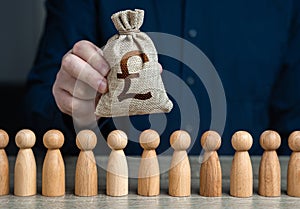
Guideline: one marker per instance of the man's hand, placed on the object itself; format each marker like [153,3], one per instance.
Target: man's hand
[81,80]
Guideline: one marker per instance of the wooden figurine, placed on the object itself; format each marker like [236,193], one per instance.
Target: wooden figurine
[117,169]
[210,170]
[53,174]
[25,166]
[293,173]
[148,177]
[4,165]
[269,169]
[241,176]
[180,170]
[86,176]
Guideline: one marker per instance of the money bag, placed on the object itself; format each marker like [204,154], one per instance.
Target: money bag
[134,82]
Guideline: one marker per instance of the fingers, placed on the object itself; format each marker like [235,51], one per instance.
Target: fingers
[80,80]
[92,55]
[73,106]
[79,69]
[63,100]
[74,87]
[160,68]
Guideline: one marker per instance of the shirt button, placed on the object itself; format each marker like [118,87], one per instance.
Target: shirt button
[190,80]
[192,33]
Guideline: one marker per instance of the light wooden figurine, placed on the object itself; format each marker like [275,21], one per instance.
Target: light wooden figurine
[25,166]
[269,169]
[117,169]
[293,173]
[210,170]
[148,177]
[4,166]
[241,176]
[86,176]
[53,173]
[180,170]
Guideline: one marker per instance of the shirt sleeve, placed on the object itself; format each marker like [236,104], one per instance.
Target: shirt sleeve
[66,23]
[285,100]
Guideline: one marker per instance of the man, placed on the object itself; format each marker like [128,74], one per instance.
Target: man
[254,47]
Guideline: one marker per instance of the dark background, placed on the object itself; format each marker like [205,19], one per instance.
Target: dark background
[21,26]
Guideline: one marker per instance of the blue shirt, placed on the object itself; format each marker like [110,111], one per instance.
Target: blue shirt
[254,46]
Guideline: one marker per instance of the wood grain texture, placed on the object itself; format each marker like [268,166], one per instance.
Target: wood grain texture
[210,169]
[117,168]
[148,176]
[180,169]
[86,175]
[4,164]
[117,174]
[25,173]
[53,172]
[180,175]
[25,166]
[269,184]
[241,175]
[211,175]
[4,173]
[269,175]
[163,200]
[293,173]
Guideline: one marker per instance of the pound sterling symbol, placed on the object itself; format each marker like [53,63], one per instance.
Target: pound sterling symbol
[127,77]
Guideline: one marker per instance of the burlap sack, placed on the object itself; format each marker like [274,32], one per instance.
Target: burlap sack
[135,86]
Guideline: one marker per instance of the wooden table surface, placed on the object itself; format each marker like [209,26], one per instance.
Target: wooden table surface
[161,201]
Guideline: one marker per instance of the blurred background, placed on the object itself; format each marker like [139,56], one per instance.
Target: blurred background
[21,26]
